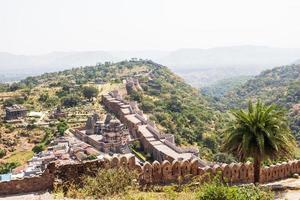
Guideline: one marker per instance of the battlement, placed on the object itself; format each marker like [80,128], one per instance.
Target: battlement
[151,173]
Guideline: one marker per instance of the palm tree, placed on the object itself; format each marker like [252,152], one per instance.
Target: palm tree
[260,133]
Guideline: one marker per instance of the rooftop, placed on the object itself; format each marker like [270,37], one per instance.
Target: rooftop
[132,118]
[145,132]
[168,151]
[125,111]
[96,137]
[16,107]
[160,146]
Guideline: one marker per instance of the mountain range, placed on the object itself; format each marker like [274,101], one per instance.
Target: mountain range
[199,67]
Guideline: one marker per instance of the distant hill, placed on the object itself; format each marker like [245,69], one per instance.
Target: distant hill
[16,67]
[203,67]
[222,87]
[280,85]
[235,56]
[297,62]
[199,67]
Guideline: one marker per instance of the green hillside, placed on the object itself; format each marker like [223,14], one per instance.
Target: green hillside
[175,106]
[222,87]
[280,85]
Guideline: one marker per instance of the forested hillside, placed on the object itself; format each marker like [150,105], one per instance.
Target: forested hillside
[175,106]
[280,85]
[222,87]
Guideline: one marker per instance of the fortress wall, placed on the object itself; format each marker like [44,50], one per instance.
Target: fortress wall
[150,173]
[114,106]
[30,184]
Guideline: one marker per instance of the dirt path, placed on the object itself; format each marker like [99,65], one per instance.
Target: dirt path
[30,196]
[286,189]
[290,195]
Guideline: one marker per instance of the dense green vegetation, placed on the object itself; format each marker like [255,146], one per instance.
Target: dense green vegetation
[222,87]
[179,109]
[280,85]
[7,167]
[38,148]
[89,92]
[62,126]
[260,133]
[219,191]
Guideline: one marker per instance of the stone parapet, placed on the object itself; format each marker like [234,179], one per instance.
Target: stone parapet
[151,173]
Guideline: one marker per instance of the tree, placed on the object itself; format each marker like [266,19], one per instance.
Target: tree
[2,153]
[38,148]
[7,167]
[136,96]
[62,126]
[89,92]
[43,97]
[147,106]
[9,102]
[70,101]
[91,157]
[174,105]
[260,133]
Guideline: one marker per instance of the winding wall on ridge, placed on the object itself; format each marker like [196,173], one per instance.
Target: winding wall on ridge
[160,146]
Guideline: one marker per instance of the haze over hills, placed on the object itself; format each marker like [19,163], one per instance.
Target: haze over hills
[203,67]
[199,67]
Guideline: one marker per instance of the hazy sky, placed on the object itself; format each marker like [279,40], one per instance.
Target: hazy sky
[41,26]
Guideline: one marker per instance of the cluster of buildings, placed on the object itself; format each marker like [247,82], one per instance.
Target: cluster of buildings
[99,138]
[108,136]
[63,150]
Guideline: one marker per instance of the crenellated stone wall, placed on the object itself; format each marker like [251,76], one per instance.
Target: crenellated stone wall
[151,173]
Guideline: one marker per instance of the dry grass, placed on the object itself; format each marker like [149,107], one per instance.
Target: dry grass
[20,156]
[166,195]
[297,152]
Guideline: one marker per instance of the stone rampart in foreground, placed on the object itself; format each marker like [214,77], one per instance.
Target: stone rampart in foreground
[150,173]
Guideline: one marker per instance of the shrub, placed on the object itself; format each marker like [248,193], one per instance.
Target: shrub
[219,191]
[105,183]
[2,153]
[62,126]
[70,101]
[91,157]
[90,92]
[223,158]
[109,182]
[147,106]
[38,148]
[136,96]
[7,167]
